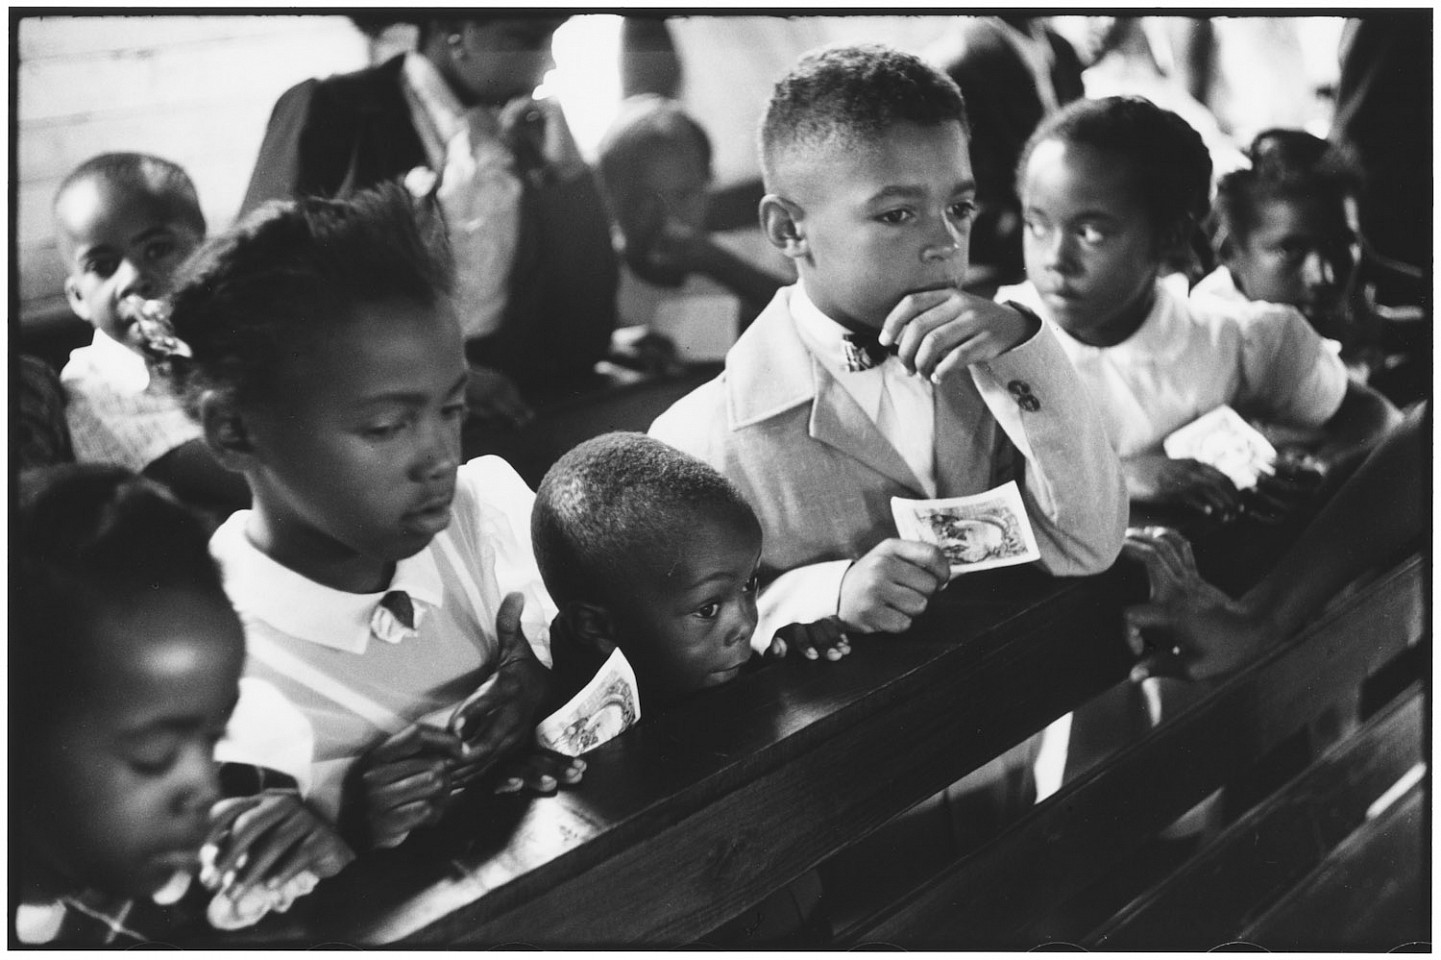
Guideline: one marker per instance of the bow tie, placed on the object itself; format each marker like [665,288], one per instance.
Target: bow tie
[394,617]
[863,350]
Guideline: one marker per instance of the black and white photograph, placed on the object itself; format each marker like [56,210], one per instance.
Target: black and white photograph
[814,478]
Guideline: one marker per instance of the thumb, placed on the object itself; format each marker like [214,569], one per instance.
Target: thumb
[507,620]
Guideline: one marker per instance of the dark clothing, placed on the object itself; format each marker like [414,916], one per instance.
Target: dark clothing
[41,436]
[1383,110]
[345,133]
[1004,110]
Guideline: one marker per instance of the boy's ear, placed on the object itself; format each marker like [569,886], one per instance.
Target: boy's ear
[78,306]
[783,223]
[592,625]
[226,433]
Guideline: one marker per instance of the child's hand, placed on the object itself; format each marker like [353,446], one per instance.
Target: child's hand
[537,135]
[500,716]
[1156,478]
[937,331]
[539,771]
[1188,629]
[886,589]
[266,841]
[492,396]
[1289,488]
[404,783]
[824,638]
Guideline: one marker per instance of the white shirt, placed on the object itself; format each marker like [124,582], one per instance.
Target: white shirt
[118,413]
[1190,356]
[900,404]
[456,585]
[478,192]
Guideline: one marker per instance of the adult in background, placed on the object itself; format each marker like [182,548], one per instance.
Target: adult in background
[536,276]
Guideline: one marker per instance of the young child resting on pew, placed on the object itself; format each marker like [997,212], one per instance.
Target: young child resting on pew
[876,376]
[649,550]
[1108,187]
[652,551]
[124,222]
[382,584]
[655,168]
[1285,231]
[125,660]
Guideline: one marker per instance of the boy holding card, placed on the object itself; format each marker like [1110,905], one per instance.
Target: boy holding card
[875,376]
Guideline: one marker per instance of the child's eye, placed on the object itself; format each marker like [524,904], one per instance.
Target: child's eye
[709,612]
[1090,233]
[102,266]
[895,217]
[383,431]
[1034,227]
[159,250]
[153,757]
[752,585]
[964,210]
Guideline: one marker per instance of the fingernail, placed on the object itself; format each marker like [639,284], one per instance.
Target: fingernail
[241,861]
[811,653]
[833,654]
[227,880]
[1139,673]
[511,785]
[935,378]
[547,782]
[578,764]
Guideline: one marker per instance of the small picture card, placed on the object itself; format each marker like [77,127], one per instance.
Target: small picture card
[605,708]
[978,532]
[1223,439]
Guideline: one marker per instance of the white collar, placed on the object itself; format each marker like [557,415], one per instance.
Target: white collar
[824,336]
[127,370]
[294,604]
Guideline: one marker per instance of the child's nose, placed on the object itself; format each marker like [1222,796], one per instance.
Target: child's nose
[440,452]
[133,279]
[943,245]
[198,785]
[1057,252]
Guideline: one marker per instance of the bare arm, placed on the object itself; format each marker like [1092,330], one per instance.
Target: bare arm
[1362,420]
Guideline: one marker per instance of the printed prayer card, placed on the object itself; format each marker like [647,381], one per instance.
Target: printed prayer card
[978,532]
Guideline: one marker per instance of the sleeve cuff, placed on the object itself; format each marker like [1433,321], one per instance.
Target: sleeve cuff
[803,595]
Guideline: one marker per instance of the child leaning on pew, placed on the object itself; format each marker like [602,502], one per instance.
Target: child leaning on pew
[653,552]
[125,222]
[876,376]
[1109,188]
[387,591]
[126,660]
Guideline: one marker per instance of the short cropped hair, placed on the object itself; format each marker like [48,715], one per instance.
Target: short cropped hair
[144,174]
[647,125]
[291,269]
[613,500]
[848,95]
[1285,165]
[1169,161]
[92,538]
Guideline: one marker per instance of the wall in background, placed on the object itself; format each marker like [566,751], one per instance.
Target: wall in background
[197,90]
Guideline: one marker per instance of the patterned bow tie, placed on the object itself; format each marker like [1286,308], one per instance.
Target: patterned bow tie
[394,617]
[863,351]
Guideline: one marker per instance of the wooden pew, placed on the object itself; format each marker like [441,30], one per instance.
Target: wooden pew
[703,810]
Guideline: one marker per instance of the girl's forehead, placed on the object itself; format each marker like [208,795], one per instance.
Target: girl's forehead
[1081,174]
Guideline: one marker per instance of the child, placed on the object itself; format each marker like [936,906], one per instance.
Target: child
[1282,231]
[682,609]
[1285,231]
[126,657]
[655,169]
[870,194]
[125,221]
[374,575]
[1109,188]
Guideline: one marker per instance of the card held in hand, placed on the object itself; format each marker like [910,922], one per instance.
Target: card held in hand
[978,532]
[1224,440]
[602,710]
